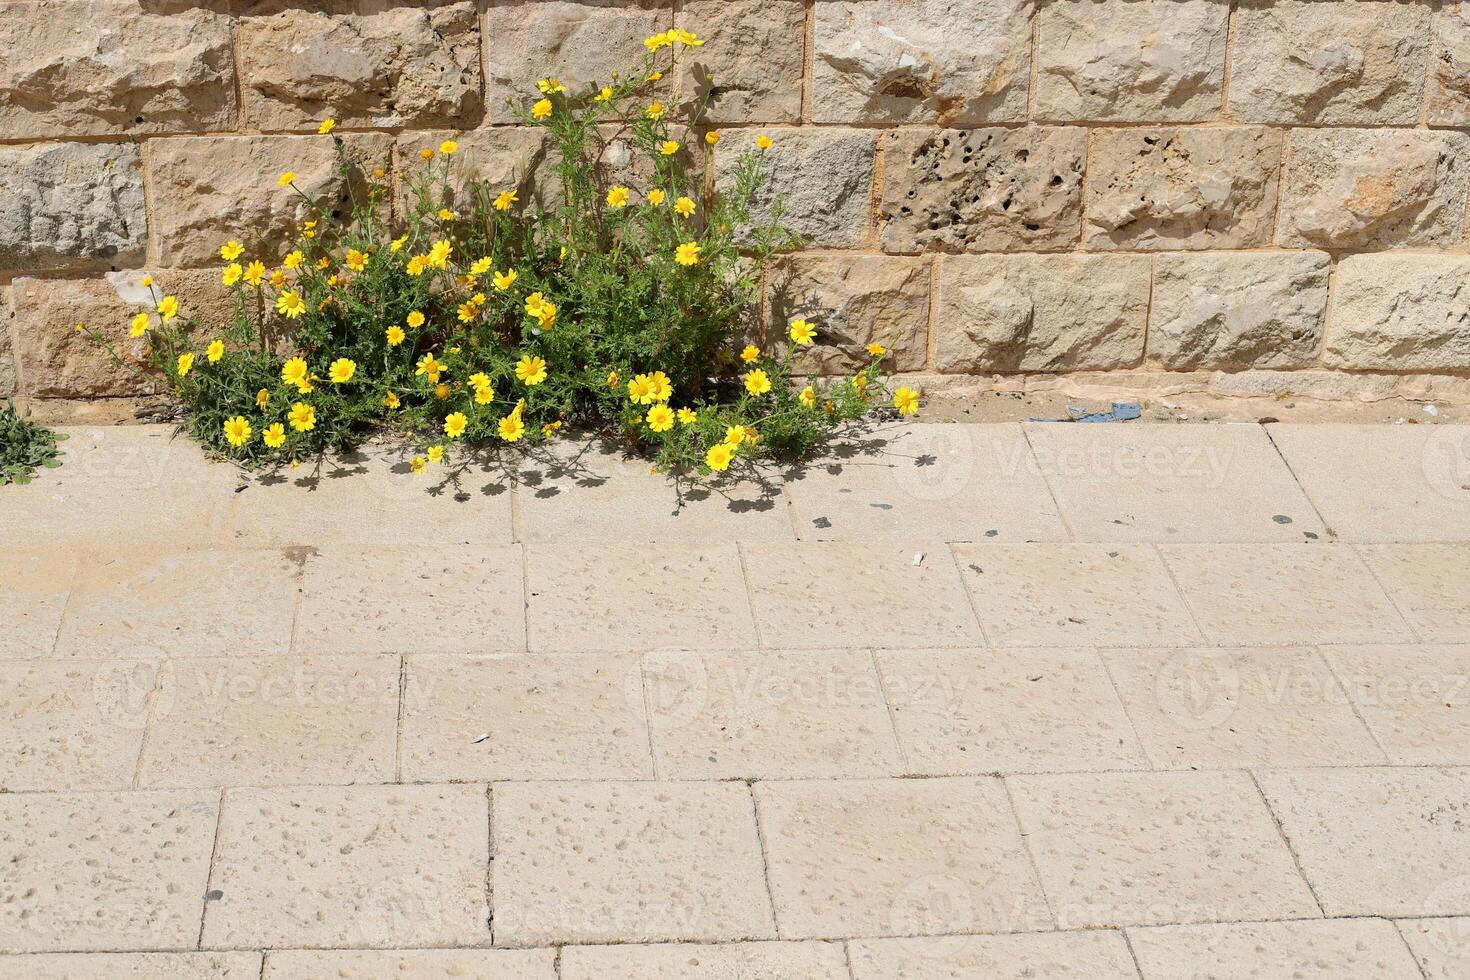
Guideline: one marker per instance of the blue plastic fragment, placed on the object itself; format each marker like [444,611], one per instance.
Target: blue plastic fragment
[1120,412]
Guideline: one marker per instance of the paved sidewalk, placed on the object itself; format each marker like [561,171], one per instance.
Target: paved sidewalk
[959,701]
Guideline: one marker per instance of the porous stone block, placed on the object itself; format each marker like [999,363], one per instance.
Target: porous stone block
[507,158]
[853,301]
[1449,66]
[1400,312]
[823,177]
[749,69]
[71,206]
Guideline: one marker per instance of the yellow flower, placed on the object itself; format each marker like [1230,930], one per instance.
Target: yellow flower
[449,148]
[428,366]
[391,400]
[549,429]
[656,41]
[185,364]
[877,350]
[531,370]
[439,254]
[295,371]
[541,110]
[447,215]
[655,111]
[734,435]
[617,196]
[232,273]
[480,266]
[415,319]
[286,178]
[684,206]
[278,278]
[860,385]
[547,316]
[687,416]
[712,137]
[454,424]
[612,379]
[436,454]
[417,465]
[550,86]
[656,197]
[427,153]
[441,391]
[719,456]
[751,354]
[505,200]
[326,127]
[396,245]
[231,250]
[534,303]
[763,141]
[468,311]
[654,76]
[503,280]
[323,263]
[254,273]
[751,436]
[484,393]
[139,325]
[659,387]
[290,304]
[605,95]
[146,281]
[342,370]
[395,335]
[274,435]
[668,148]
[356,261]
[168,308]
[687,254]
[511,427]
[757,382]
[808,397]
[302,417]
[214,351]
[237,431]
[262,398]
[660,418]
[294,259]
[906,400]
[640,388]
[802,332]
[417,265]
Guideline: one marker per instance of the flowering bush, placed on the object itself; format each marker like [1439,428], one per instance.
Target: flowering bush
[481,316]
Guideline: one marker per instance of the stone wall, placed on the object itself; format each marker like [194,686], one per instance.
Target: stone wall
[1248,189]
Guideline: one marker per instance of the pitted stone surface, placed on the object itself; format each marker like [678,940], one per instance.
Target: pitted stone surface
[749,69]
[1041,312]
[1172,189]
[1348,62]
[1348,949]
[634,862]
[734,961]
[133,966]
[1375,189]
[955,62]
[1415,698]
[34,585]
[98,67]
[1420,578]
[71,206]
[1055,955]
[983,190]
[853,301]
[395,67]
[823,177]
[411,964]
[1400,312]
[1449,66]
[1150,61]
[1233,310]
[1442,946]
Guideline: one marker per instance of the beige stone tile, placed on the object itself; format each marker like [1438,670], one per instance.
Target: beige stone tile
[72,726]
[1377,841]
[198,603]
[104,871]
[133,966]
[820,595]
[269,721]
[535,716]
[1153,848]
[1383,483]
[768,715]
[580,491]
[1071,594]
[412,600]
[625,596]
[375,866]
[33,590]
[1207,708]
[960,712]
[1415,699]
[1169,482]
[896,857]
[1342,949]
[1279,594]
[627,862]
[411,964]
[925,482]
[733,961]
[1442,946]
[1100,955]
[1427,584]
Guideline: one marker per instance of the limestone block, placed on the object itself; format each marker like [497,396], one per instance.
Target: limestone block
[824,178]
[1401,313]
[71,206]
[853,301]
[749,69]
[1449,66]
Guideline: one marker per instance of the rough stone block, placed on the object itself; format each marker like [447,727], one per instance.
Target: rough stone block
[1449,66]
[73,206]
[507,158]
[7,354]
[750,67]
[208,190]
[1182,188]
[824,178]
[1041,312]
[402,66]
[983,190]
[1131,60]
[853,301]
[1375,189]
[1400,313]
[954,62]
[1345,62]
[1238,309]
[95,67]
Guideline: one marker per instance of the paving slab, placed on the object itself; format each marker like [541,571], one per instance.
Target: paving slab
[1154,848]
[104,871]
[34,586]
[1378,841]
[411,964]
[768,715]
[1075,594]
[72,726]
[627,862]
[1210,708]
[1250,595]
[372,866]
[537,716]
[971,712]
[132,966]
[412,600]
[1165,482]
[1339,949]
[925,481]
[622,596]
[686,961]
[1098,955]
[185,604]
[1427,583]
[819,595]
[1442,946]
[257,721]
[1383,482]
[1415,699]
[896,857]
